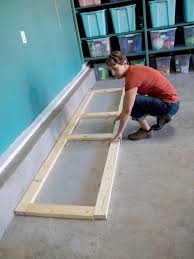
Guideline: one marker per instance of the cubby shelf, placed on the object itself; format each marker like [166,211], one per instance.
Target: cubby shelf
[94,7]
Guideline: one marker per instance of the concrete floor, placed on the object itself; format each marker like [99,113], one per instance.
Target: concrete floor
[151,213]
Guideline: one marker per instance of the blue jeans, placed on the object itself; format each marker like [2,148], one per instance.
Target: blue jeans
[148,105]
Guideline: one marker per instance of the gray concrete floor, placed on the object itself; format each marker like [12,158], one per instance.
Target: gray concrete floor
[75,178]
[151,212]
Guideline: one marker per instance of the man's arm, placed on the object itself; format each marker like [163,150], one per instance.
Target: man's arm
[128,103]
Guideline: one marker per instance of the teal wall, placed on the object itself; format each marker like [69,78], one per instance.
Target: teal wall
[32,75]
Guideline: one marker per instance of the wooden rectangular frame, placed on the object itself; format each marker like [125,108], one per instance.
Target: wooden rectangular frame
[27,206]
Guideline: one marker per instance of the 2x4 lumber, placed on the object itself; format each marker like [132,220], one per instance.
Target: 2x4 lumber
[90,137]
[100,211]
[103,199]
[98,115]
[33,190]
[58,211]
[108,90]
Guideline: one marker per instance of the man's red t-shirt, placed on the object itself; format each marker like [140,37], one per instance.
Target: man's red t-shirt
[150,82]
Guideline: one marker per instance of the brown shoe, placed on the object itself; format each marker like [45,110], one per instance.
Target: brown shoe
[140,134]
[161,122]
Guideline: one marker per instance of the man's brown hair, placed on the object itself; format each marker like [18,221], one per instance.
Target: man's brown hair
[116,57]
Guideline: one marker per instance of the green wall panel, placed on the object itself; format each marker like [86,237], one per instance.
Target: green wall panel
[32,74]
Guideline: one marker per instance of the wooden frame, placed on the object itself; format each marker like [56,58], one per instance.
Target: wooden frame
[108,90]
[105,136]
[27,206]
[98,115]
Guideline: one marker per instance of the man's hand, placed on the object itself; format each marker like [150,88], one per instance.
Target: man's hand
[117,138]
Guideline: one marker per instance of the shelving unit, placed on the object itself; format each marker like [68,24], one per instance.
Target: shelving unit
[139,54]
[104,5]
[179,47]
[112,34]
[143,26]
[171,26]
[175,49]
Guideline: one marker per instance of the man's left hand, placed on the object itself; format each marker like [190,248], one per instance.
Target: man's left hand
[117,138]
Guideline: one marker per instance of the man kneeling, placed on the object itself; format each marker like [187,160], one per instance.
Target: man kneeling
[147,92]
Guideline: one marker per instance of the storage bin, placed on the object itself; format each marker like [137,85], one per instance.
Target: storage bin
[182,63]
[188,10]
[89,2]
[163,64]
[138,62]
[101,71]
[94,23]
[130,43]
[162,12]
[123,18]
[163,39]
[99,47]
[189,36]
